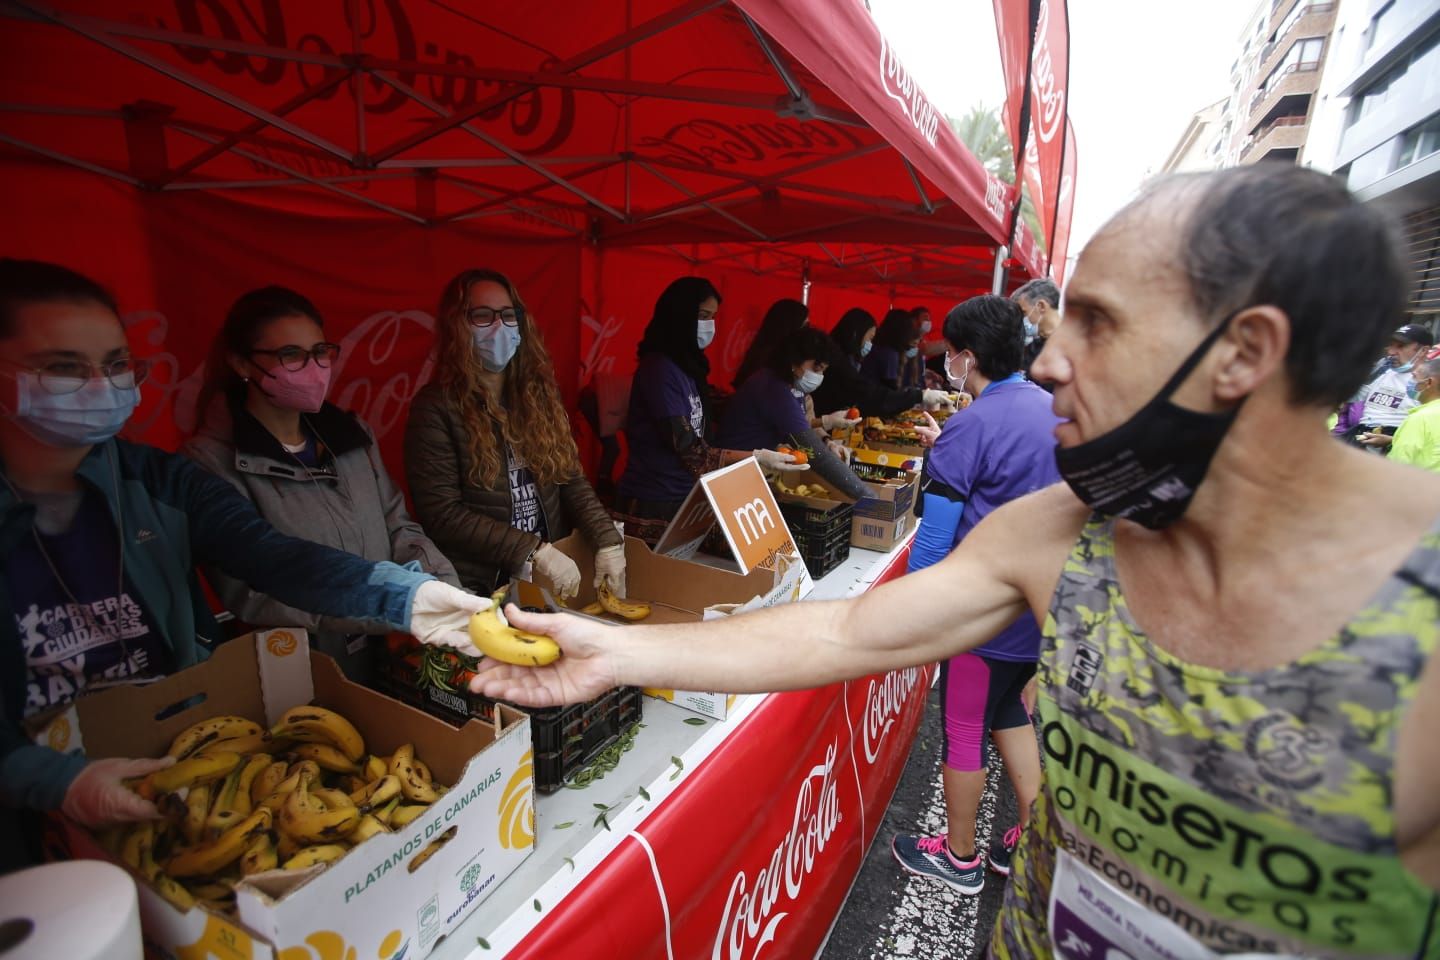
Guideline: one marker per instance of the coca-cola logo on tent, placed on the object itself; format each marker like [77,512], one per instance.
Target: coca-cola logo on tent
[901,87]
[1048,88]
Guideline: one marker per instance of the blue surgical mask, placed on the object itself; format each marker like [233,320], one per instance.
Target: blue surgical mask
[809,381]
[1405,367]
[1411,388]
[704,333]
[865,348]
[90,415]
[496,345]
[1031,330]
[911,352]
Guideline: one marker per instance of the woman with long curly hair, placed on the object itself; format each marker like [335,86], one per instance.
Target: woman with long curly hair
[489,452]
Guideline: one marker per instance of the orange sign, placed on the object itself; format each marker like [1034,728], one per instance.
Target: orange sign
[748,514]
[59,734]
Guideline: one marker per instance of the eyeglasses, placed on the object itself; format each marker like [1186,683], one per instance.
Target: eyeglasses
[70,376]
[295,358]
[486,316]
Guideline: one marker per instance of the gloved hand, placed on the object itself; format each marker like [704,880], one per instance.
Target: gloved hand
[936,400]
[927,431]
[840,450]
[99,796]
[559,569]
[440,615]
[773,461]
[610,568]
[839,418]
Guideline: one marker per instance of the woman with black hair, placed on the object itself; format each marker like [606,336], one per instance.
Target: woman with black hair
[845,387]
[784,318]
[311,469]
[768,409]
[669,409]
[896,344]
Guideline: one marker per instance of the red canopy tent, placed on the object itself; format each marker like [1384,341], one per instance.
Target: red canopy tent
[363,151]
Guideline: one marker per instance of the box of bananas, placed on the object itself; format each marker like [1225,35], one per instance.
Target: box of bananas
[302,804]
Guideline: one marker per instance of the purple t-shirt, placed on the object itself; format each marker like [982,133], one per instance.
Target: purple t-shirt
[762,414]
[102,636]
[882,365]
[660,391]
[998,449]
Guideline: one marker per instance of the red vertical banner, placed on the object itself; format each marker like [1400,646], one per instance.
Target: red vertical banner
[1049,93]
[1060,246]
[1012,29]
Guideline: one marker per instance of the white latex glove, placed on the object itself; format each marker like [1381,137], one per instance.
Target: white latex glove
[838,419]
[936,400]
[610,568]
[440,615]
[559,569]
[774,461]
[927,431]
[840,450]
[99,796]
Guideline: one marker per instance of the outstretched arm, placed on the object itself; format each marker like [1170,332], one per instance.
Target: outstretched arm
[1006,565]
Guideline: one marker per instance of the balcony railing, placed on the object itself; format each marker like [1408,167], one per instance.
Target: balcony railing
[1303,66]
[1259,136]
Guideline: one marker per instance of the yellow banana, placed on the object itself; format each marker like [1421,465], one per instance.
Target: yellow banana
[405,813]
[383,812]
[424,771]
[286,847]
[593,609]
[267,780]
[224,850]
[317,724]
[169,888]
[375,768]
[223,810]
[368,827]
[197,805]
[137,849]
[415,788]
[260,742]
[431,848]
[187,772]
[303,772]
[327,757]
[500,641]
[308,821]
[197,735]
[377,794]
[213,891]
[259,856]
[249,773]
[333,799]
[629,609]
[310,856]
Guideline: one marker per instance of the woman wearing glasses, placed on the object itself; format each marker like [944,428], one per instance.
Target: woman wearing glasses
[313,470]
[489,451]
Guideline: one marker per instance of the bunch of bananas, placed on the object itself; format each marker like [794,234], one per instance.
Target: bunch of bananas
[241,800]
[607,602]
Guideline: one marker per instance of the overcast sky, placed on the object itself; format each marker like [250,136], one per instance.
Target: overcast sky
[1138,70]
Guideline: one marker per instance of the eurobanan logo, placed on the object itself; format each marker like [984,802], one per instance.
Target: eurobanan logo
[280,643]
[1150,833]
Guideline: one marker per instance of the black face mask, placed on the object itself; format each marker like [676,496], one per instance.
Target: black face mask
[1148,468]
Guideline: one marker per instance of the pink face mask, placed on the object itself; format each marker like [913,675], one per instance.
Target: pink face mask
[302,389]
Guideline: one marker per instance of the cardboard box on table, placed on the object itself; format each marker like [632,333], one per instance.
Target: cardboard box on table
[881,519]
[369,903]
[766,564]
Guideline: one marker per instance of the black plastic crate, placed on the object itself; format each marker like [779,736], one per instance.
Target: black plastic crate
[565,738]
[823,535]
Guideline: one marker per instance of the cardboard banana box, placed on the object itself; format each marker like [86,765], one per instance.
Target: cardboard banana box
[395,894]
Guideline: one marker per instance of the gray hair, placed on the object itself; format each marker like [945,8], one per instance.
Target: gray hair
[1428,368]
[1038,289]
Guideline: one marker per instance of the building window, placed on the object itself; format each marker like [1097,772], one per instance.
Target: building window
[1420,142]
[1422,62]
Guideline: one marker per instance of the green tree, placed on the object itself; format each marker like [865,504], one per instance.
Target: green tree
[983,132]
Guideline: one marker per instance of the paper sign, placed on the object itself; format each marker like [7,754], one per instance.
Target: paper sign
[739,498]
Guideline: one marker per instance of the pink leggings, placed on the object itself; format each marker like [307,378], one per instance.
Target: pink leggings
[980,695]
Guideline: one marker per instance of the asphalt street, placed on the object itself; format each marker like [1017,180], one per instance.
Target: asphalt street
[892,915]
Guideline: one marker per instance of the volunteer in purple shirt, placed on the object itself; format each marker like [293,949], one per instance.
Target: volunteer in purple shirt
[769,408]
[896,343]
[669,400]
[999,449]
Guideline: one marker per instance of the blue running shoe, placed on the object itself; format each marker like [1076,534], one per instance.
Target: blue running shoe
[1002,853]
[930,857]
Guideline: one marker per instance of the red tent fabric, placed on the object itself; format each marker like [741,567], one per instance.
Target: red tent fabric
[363,152]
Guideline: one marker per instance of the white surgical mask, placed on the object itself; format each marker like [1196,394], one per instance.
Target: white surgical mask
[90,415]
[496,345]
[809,381]
[957,382]
[924,327]
[865,348]
[909,354]
[704,333]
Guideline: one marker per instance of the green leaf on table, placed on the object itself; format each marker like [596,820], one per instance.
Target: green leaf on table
[695,721]
[600,806]
[484,944]
[644,793]
[565,826]
[537,906]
